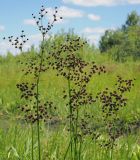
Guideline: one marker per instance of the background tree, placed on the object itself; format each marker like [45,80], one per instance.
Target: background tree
[123,42]
[133,19]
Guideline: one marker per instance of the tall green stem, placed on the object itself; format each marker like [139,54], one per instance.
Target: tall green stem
[111,154]
[32,141]
[76,133]
[37,99]
[65,155]
[80,149]
[70,110]
[38,122]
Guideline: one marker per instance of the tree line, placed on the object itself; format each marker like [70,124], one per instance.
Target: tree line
[123,42]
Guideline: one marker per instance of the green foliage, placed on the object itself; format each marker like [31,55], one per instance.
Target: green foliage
[123,42]
[109,39]
[133,19]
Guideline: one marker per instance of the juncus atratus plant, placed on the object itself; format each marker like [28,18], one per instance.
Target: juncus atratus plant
[35,108]
[35,67]
[64,58]
[112,128]
[78,74]
[112,103]
[26,92]
[45,111]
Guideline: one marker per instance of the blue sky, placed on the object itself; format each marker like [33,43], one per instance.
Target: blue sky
[88,17]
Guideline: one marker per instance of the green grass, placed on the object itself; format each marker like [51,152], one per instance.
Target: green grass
[15,143]
[15,135]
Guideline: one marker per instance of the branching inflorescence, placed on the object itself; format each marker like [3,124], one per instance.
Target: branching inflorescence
[18,42]
[35,108]
[78,74]
[112,102]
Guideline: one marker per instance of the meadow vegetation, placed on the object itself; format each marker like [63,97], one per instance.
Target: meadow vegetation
[71,101]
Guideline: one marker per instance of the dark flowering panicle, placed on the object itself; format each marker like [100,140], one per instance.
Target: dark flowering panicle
[46,111]
[35,109]
[37,64]
[18,42]
[69,65]
[32,67]
[78,73]
[43,13]
[112,102]
[124,85]
[87,128]
[27,90]
[74,69]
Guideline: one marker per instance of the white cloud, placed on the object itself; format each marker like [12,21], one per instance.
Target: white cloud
[134,1]
[66,12]
[2,28]
[35,37]
[90,3]
[93,39]
[94,2]
[96,30]
[93,34]
[94,17]
[5,47]
[63,11]
[29,22]
[70,12]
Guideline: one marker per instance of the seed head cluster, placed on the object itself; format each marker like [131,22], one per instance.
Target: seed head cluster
[68,65]
[112,102]
[43,13]
[35,109]
[18,42]
[27,90]
[65,60]
[32,67]
[46,111]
